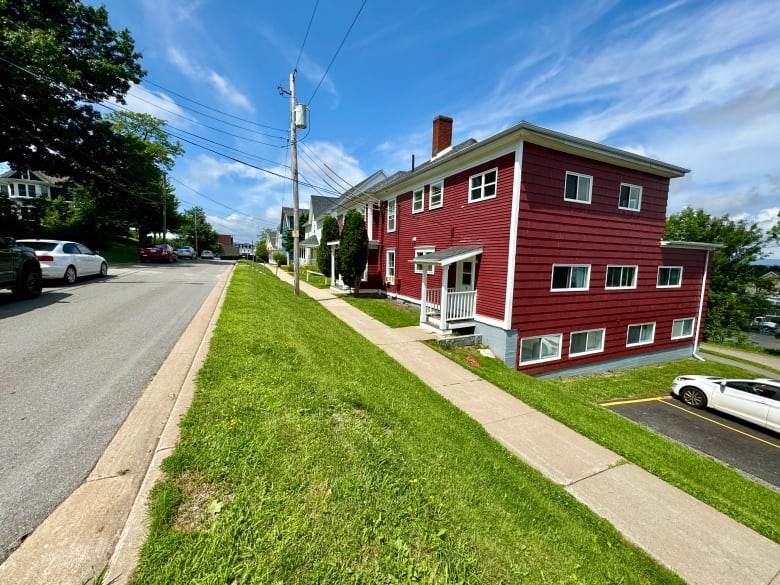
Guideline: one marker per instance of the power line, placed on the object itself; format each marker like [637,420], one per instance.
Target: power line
[354,20]
[306,36]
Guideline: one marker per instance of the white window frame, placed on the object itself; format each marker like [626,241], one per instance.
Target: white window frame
[483,185]
[622,267]
[587,333]
[423,251]
[558,337]
[431,204]
[390,266]
[570,288]
[682,322]
[578,198]
[641,333]
[658,277]
[418,200]
[392,212]
[637,189]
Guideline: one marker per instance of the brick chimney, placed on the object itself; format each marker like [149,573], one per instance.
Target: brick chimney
[442,134]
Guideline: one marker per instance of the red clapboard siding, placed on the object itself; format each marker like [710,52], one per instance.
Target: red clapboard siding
[555,231]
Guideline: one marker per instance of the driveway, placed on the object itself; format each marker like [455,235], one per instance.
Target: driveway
[749,449]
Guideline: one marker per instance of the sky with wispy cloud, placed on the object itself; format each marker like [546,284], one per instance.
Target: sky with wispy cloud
[692,83]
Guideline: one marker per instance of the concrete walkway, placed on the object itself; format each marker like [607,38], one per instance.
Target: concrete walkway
[700,544]
[762,364]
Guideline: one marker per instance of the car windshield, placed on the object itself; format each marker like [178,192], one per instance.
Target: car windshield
[161,246]
[42,246]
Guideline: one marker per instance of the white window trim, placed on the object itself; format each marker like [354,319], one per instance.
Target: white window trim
[394,214]
[441,194]
[587,351]
[693,322]
[658,274]
[482,188]
[541,360]
[390,269]
[590,188]
[621,266]
[569,289]
[631,186]
[427,250]
[421,191]
[652,338]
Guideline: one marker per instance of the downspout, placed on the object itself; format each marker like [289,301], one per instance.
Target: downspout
[701,307]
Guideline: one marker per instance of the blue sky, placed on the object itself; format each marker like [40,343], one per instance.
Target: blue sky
[695,84]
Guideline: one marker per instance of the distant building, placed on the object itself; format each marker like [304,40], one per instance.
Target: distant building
[23,187]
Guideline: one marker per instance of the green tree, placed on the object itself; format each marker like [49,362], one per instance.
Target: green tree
[330,233]
[352,254]
[57,59]
[736,292]
[261,251]
[774,232]
[196,231]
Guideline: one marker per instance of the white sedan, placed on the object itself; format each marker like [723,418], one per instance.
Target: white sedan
[62,259]
[756,401]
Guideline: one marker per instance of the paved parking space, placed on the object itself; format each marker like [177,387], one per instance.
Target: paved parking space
[747,448]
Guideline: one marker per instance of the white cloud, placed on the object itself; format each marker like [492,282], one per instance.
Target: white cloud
[199,73]
[157,104]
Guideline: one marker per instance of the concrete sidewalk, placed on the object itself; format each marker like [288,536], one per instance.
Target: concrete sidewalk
[700,544]
[760,362]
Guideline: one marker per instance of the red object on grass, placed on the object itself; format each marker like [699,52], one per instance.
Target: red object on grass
[472,361]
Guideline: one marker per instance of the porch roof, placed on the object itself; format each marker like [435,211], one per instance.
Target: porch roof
[448,256]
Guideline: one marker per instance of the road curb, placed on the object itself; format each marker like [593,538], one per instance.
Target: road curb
[100,522]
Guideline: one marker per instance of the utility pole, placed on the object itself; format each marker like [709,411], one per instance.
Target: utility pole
[294,170]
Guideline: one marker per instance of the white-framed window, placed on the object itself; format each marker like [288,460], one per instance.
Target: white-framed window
[570,277]
[682,328]
[584,342]
[436,195]
[543,348]
[621,277]
[578,187]
[669,276]
[390,267]
[640,334]
[391,210]
[630,197]
[483,185]
[418,200]
[423,251]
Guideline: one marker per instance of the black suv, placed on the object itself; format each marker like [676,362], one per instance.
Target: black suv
[19,270]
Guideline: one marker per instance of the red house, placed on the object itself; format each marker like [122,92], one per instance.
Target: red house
[548,246]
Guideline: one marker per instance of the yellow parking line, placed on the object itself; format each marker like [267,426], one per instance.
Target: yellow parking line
[724,425]
[635,401]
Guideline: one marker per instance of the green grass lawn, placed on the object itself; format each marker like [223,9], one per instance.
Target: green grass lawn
[385,311]
[310,456]
[119,252]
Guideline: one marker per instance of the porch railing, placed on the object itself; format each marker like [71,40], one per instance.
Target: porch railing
[459,304]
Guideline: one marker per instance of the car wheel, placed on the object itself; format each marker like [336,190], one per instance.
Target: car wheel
[693,397]
[30,285]
[70,275]
[103,269]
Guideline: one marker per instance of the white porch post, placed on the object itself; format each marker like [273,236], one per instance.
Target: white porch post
[332,265]
[445,270]
[424,296]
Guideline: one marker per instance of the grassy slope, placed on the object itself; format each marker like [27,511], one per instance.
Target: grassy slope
[309,456]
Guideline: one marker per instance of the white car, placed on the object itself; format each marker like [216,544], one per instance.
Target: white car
[207,254]
[185,252]
[62,259]
[756,401]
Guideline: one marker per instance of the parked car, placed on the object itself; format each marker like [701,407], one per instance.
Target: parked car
[158,253]
[66,260]
[765,324]
[756,401]
[20,270]
[207,254]
[185,252]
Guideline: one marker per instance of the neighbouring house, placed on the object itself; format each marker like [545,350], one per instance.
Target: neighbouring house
[23,187]
[319,206]
[287,223]
[547,246]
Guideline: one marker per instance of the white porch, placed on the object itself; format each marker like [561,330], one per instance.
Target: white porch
[447,308]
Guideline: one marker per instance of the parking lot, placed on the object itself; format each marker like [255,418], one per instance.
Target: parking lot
[747,448]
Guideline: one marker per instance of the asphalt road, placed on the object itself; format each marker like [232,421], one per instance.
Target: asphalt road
[747,448]
[74,362]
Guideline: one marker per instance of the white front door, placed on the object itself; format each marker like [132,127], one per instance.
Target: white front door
[464,280]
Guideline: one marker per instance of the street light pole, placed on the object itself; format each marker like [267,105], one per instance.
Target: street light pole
[294,170]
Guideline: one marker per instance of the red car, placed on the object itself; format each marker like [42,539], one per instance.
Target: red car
[158,253]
